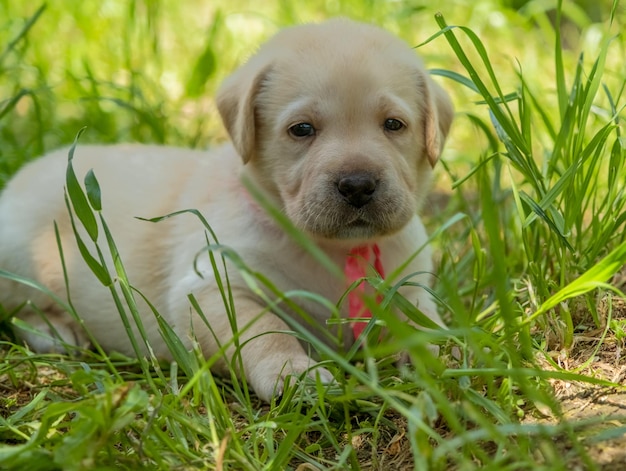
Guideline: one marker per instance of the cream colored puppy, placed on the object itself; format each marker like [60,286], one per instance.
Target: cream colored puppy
[337,123]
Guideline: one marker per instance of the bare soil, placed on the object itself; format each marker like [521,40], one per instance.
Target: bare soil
[597,353]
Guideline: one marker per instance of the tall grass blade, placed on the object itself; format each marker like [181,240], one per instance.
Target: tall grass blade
[22,33]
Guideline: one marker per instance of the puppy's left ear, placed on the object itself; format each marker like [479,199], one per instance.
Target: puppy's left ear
[437,119]
[236,102]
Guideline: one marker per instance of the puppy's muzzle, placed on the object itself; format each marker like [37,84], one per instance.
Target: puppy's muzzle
[357,188]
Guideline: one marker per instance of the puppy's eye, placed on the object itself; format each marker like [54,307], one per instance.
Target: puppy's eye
[302,130]
[392,124]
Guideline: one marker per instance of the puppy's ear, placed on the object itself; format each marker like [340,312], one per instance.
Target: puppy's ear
[437,119]
[236,102]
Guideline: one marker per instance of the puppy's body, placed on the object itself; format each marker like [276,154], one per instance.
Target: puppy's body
[337,123]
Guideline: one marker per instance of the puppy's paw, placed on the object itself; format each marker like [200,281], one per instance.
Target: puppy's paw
[268,379]
[403,358]
[58,333]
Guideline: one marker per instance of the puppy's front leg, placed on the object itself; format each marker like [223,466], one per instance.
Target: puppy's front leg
[269,354]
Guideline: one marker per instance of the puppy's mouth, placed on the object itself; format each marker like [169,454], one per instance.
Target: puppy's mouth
[360,220]
[334,219]
[355,205]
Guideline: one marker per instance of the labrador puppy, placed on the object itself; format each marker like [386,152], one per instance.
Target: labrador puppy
[337,124]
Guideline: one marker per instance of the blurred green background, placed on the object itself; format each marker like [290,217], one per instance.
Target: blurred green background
[140,70]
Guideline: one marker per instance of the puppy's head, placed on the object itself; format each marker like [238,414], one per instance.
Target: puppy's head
[341,123]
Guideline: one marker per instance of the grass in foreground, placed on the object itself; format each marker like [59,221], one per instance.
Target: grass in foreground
[531,241]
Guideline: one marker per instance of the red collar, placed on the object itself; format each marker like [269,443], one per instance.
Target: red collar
[357,262]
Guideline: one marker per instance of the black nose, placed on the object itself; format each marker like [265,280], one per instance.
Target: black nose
[357,188]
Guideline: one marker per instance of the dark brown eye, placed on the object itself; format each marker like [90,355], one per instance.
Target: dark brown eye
[302,130]
[392,124]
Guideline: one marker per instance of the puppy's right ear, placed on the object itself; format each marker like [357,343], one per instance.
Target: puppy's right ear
[236,102]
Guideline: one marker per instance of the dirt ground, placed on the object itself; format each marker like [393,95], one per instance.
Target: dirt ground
[610,404]
[598,353]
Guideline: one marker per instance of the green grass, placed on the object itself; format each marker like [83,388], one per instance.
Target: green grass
[529,240]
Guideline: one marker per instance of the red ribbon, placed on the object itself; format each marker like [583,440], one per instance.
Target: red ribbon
[356,266]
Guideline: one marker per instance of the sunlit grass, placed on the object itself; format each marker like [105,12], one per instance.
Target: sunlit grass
[532,229]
